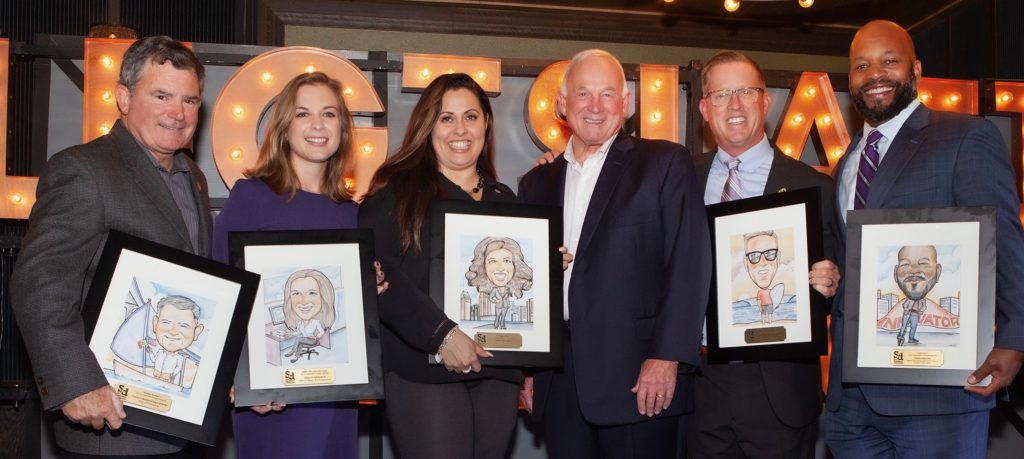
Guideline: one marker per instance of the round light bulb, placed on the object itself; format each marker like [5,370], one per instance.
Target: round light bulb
[104,129]
[837,152]
[788,150]
[542,105]
[798,118]
[17,198]
[553,133]
[266,77]
[806,3]
[236,154]
[107,61]
[348,91]
[238,110]
[656,117]
[732,5]
[1005,97]
[481,75]
[811,91]
[924,96]
[425,73]
[107,95]
[656,84]
[826,120]
[953,98]
[367,149]
[350,184]
[310,68]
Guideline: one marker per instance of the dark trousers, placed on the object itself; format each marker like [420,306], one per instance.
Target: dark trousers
[857,431]
[470,420]
[734,418]
[570,436]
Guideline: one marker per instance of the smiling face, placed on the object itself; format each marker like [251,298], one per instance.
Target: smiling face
[764,270]
[162,110]
[917,270]
[175,329]
[595,103]
[314,132]
[883,71]
[737,126]
[460,131]
[500,267]
[304,297]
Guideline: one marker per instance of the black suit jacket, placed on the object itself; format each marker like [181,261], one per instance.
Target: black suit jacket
[794,388]
[639,284]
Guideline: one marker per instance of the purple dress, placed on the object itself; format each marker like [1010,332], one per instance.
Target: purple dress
[305,430]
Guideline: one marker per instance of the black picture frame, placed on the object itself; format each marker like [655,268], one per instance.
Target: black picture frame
[172,271]
[767,343]
[310,248]
[539,227]
[972,230]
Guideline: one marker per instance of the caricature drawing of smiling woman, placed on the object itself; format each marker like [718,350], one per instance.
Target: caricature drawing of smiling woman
[499,272]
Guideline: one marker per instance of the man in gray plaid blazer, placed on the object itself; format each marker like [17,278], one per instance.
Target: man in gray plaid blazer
[137,180]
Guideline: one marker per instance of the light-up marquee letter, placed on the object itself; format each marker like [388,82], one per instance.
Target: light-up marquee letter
[659,102]
[102,67]
[238,110]
[419,70]
[545,127]
[812,103]
[948,95]
[18,193]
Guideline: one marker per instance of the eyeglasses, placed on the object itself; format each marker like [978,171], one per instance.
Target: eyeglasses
[722,96]
[755,257]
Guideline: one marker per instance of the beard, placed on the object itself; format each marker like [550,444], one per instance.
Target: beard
[917,295]
[904,94]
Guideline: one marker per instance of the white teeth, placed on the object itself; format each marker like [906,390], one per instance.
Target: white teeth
[590,121]
[879,90]
[316,140]
[736,120]
[459,144]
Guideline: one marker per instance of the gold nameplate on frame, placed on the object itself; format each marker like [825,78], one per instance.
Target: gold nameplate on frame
[900,357]
[500,340]
[134,395]
[764,335]
[307,376]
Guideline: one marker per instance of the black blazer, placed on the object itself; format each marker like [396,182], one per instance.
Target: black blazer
[639,285]
[794,388]
[413,324]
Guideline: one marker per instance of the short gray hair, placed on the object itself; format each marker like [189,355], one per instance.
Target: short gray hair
[747,237]
[586,54]
[179,302]
[158,49]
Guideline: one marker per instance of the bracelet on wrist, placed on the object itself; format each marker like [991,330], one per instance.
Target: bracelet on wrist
[447,339]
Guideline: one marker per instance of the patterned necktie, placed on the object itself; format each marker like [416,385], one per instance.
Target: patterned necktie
[866,169]
[731,191]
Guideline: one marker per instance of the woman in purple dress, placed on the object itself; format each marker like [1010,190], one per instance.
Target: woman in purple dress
[296,185]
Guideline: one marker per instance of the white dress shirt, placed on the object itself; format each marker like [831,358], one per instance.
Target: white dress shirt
[580,180]
[889,129]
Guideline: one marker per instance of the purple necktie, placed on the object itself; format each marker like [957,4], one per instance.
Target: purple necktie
[731,191]
[866,169]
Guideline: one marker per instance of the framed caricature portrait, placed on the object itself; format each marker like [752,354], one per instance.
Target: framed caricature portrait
[761,306]
[496,269]
[314,333]
[165,326]
[920,295]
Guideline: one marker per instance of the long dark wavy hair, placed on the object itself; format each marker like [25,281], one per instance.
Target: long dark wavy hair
[412,171]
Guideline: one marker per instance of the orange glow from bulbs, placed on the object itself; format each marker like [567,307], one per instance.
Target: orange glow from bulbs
[367,149]
[797,118]
[949,95]
[731,5]
[236,154]
[266,77]
[310,68]
[348,91]
[811,91]
[803,112]
[107,62]
[238,111]
[481,76]
[107,95]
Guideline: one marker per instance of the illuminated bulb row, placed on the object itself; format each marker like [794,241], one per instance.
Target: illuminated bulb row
[425,74]
[835,152]
[733,5]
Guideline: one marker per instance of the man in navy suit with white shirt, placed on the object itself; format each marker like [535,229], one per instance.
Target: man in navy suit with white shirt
[638,287]
[908,156]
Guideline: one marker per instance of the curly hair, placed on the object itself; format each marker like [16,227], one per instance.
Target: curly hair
[521,280]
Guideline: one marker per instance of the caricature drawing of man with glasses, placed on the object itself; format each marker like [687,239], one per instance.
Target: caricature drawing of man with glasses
[761,255]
